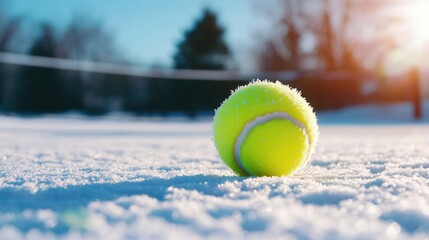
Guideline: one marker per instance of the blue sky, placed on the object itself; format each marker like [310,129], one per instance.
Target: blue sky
[148,31]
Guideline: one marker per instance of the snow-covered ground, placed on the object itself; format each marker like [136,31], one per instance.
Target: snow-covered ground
[136,178]
[398,113]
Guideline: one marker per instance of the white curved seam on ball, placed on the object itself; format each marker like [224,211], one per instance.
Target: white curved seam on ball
[259,120]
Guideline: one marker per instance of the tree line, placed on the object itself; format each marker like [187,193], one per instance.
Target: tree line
[326,24]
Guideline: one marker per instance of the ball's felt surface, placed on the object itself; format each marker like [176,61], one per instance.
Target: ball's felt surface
[265,129]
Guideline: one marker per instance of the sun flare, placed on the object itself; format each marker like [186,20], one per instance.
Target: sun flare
[411,30]
[416,15]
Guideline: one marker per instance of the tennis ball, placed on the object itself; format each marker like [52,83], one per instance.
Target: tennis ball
[265,129]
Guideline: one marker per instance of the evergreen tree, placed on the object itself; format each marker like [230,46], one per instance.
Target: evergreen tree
[203,47]
[40,88]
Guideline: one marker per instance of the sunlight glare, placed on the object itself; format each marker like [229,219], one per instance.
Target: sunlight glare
[417,16]
[414,37]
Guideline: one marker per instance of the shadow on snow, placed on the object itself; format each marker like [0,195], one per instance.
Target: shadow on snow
[63,198]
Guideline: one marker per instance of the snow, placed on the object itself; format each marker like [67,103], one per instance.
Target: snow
[375,114]
[146,178]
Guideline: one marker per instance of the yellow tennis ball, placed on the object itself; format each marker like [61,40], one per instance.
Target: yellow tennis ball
[265,129]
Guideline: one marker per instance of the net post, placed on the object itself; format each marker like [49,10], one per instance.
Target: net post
[416,92]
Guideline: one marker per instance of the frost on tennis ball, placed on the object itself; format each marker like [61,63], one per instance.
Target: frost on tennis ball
[265,129]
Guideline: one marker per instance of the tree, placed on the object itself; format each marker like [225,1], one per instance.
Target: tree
[282,50]
[334,47]
[85,39]
[327,22]
[39,89]
[203,47]
[35,89]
